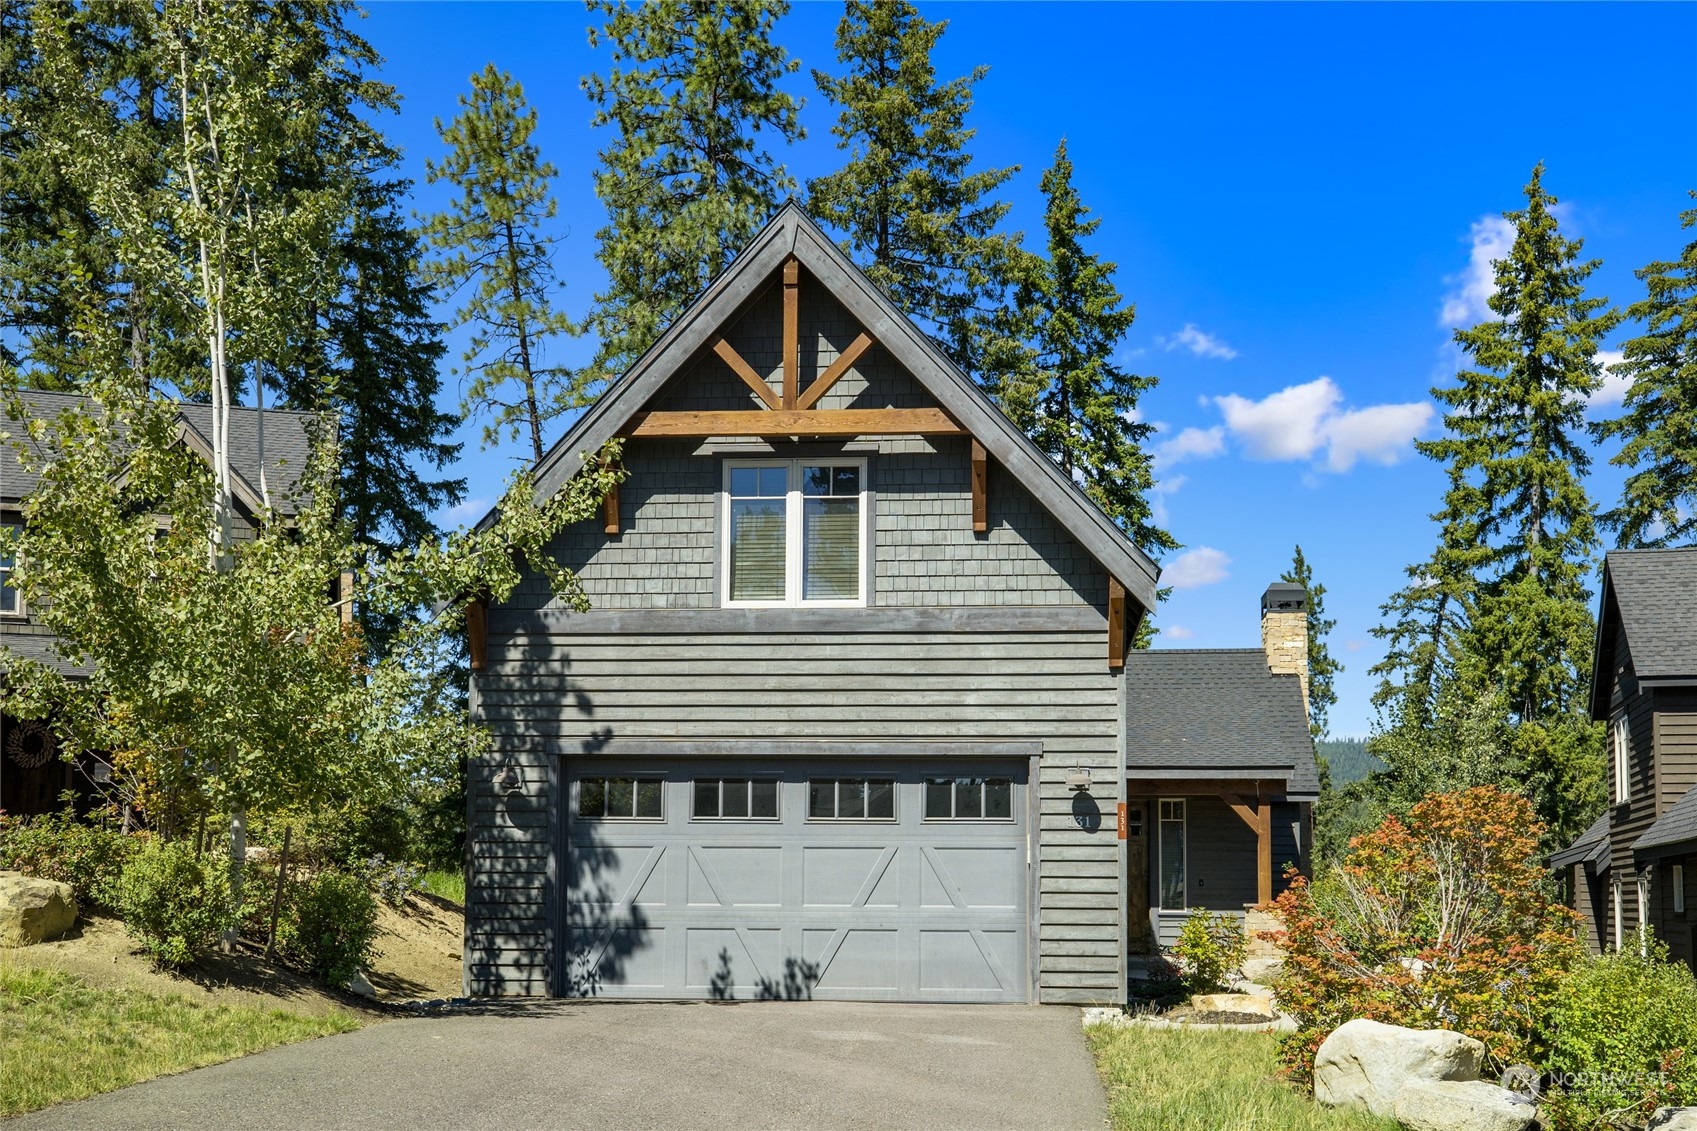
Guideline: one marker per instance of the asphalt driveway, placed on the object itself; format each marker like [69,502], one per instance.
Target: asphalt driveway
[625,1065]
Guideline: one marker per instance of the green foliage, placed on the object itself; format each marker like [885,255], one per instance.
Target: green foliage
[444,884]
[1658,505]
[1347,759]
[1051,366]
[88,855]
[177,906]
[1210,947]
[330,925]
[913,215]
[1322,668]
[491,246]
[1502,605]
[685,178]
[1622,1039]
[1445,919]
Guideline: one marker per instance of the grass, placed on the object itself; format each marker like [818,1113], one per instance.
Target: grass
[1172,1080]
[63,1039]
[444,885]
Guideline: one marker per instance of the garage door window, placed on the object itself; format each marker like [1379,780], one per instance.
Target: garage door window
[851,799]
[621,799]
[735,799]
[968,799]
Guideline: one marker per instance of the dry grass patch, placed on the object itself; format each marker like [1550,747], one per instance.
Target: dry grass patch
[1173,1080]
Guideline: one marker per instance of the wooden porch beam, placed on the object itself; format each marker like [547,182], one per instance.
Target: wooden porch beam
[980,489]
[1116,623]
[1199,787]
[728,354]
[792,330]
[787,422]
[822,383]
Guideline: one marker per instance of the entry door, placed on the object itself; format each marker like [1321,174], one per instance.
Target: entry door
[843,881]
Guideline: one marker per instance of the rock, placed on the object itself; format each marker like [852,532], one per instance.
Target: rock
[359,984]
[1234,1003]
[1263,971]
[1673,1119]
[34,910]
[1366,1063]
[1461,1105]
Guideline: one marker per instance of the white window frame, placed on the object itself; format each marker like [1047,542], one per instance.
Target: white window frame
[1160,851]
[1620,933]
[6,574]
[1620,743]
[794,538]
[1677,879]
[1643,893]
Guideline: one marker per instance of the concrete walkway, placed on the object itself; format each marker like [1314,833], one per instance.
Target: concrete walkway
[804,1065]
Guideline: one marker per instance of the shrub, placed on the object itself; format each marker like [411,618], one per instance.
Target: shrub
[1210,946]
[1444,920]
[88,856]
[1622,1040]
[392,882]
[330,924]
[176,906]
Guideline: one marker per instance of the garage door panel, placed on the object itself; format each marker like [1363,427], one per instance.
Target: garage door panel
[982,877]
[968,960]
[858,959]
[736,876]
[849,877]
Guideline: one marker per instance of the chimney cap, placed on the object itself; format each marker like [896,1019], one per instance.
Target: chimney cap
[1284,597]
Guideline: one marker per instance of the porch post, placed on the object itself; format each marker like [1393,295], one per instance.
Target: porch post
[1263,852]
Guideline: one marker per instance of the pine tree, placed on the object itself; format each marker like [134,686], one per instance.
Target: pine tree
[919,222]
[1658,505]
[1064,390]
[1322,669]
[1504,598]
[492,240]
[686,180]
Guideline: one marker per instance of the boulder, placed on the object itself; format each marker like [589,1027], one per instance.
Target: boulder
[1673,1119]
[1462,1105]
[1235,1003]
[34,910]
[361,985]
[1367,1063]
[1263,971]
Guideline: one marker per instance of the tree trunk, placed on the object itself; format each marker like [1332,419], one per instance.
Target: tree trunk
[238,859]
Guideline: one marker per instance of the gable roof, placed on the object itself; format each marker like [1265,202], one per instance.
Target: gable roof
[1590,848]
[1216,713]
[287,447]
[1674,832]
[792,232]
[1652,596]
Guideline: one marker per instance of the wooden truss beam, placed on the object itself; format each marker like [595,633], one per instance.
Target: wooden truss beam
[1116,623]
[822,384]
[836,422]
[728,354]
[792,330]
[980,489]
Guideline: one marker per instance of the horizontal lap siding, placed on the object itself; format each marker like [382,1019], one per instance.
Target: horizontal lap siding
[563,692]
[1629,821]
[1676,745]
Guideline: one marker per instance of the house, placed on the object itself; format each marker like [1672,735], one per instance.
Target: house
[851,715]
[1637,864]
[32,777]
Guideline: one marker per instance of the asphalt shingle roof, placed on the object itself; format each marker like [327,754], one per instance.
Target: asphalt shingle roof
[1678,826]
[286,444]
[1216,713]
[1590,847]
[1656,591]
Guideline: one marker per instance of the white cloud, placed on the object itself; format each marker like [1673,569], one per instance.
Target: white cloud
[1199,342]
[469,511]
[1613,389]
[1158,498]
[1465,304]
[1178,632]
[1354,645]
[1299,421]
[1196,568]
[1192,443]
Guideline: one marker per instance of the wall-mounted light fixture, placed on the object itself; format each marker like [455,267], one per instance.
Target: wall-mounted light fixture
[1079,780]
[509,778]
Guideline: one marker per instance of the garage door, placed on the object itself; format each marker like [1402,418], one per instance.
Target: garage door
[845,881]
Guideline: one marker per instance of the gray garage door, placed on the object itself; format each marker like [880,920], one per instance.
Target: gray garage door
[847,881]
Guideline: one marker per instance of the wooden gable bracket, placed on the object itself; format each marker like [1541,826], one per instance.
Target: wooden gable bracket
[1260,822]
[792,330]
[610,511]
[981,489]
[1116,623]
[477,631]
[728,354]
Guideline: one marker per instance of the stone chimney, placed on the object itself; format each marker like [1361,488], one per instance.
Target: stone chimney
[1284,631]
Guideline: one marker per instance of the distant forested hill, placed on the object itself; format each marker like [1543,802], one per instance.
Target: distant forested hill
[1348,759]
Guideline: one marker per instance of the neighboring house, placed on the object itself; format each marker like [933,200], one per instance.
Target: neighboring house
[31,775]
[1637,864]
[849,716]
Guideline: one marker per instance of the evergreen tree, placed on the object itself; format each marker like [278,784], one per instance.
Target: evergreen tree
[914,216]
[492,240]
[1322,669]
[1658,505]
[1502,608]
[1062,386]
[686,180]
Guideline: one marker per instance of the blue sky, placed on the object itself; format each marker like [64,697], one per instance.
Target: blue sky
[1302,200]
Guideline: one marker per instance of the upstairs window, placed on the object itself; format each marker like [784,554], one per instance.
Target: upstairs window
[795,533]
[1620,744]
[11,601]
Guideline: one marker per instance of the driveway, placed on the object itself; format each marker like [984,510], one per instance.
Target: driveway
[629,1065]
